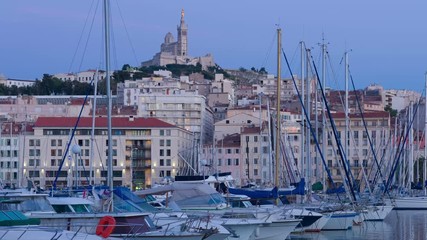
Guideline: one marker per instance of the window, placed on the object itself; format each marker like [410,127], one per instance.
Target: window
[255,172]
[53,142]
[229,162]
[356,163]
[59,142]
[265,138]
[356,134]
[264,150]
[255,149]
[255,138]
[168,142]
[162,152]
[219,161]
[228,150]
[365,163]
[59,152]
[162,173]
[168,152]
[364,152]
[236,162]
[162,142]
[168,173]
[168,162]
[237,150]
[162,162]
[162,132]
[87,143]
[52,152]
[329,163]
[30,143]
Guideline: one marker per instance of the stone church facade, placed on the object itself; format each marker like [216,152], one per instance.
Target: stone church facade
[172,52]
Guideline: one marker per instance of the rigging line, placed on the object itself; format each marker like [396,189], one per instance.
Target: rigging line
[335,76]
[309,122]
[72,135]
[113,41]
[337,139]
[366,129]
[269,50]
[293,159]
[81,36]
[399,153]
[127,33]
[336,82]
[88,37]
[295,54]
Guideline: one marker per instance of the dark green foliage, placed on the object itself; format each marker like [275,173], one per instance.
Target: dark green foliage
[131,73]
[393,112]
[49,85]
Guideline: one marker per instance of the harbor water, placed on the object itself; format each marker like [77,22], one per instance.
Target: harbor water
[399,225]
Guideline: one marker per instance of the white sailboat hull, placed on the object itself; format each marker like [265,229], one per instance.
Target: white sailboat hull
[376,213]
[319,224]
[241,230]
[410,203]
[340,220]
[275,230]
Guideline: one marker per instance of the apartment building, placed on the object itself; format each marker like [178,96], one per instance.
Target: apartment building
[145,150]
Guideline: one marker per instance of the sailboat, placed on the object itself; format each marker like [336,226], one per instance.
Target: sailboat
[415,202]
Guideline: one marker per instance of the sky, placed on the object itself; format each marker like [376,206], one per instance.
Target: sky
[386,39]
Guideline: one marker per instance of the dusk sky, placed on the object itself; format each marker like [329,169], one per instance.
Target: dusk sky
[387,39]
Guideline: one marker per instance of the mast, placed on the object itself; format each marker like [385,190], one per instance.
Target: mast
[425,134]
[346,109]
[278,118]
[302,111]
[92,135]
[324,129]
[411,145]
[307,137]
[107,79]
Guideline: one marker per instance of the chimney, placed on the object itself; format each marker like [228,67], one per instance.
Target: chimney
[131,118]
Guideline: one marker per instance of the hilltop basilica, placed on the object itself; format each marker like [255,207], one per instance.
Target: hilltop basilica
[172,52]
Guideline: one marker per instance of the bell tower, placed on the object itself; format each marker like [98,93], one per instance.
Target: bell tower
[182,37]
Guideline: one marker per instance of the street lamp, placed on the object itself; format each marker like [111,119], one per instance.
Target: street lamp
[76,149]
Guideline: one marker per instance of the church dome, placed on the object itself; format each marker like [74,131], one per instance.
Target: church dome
[169,38]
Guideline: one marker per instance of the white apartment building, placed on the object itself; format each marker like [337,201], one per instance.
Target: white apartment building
[84,76]
[359,152]
[28,108]
[184,109]
[11,143]
[9,82]
[129,91]
[268,86]
[145,150]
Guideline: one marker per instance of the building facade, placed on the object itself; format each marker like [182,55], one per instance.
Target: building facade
[145,150]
